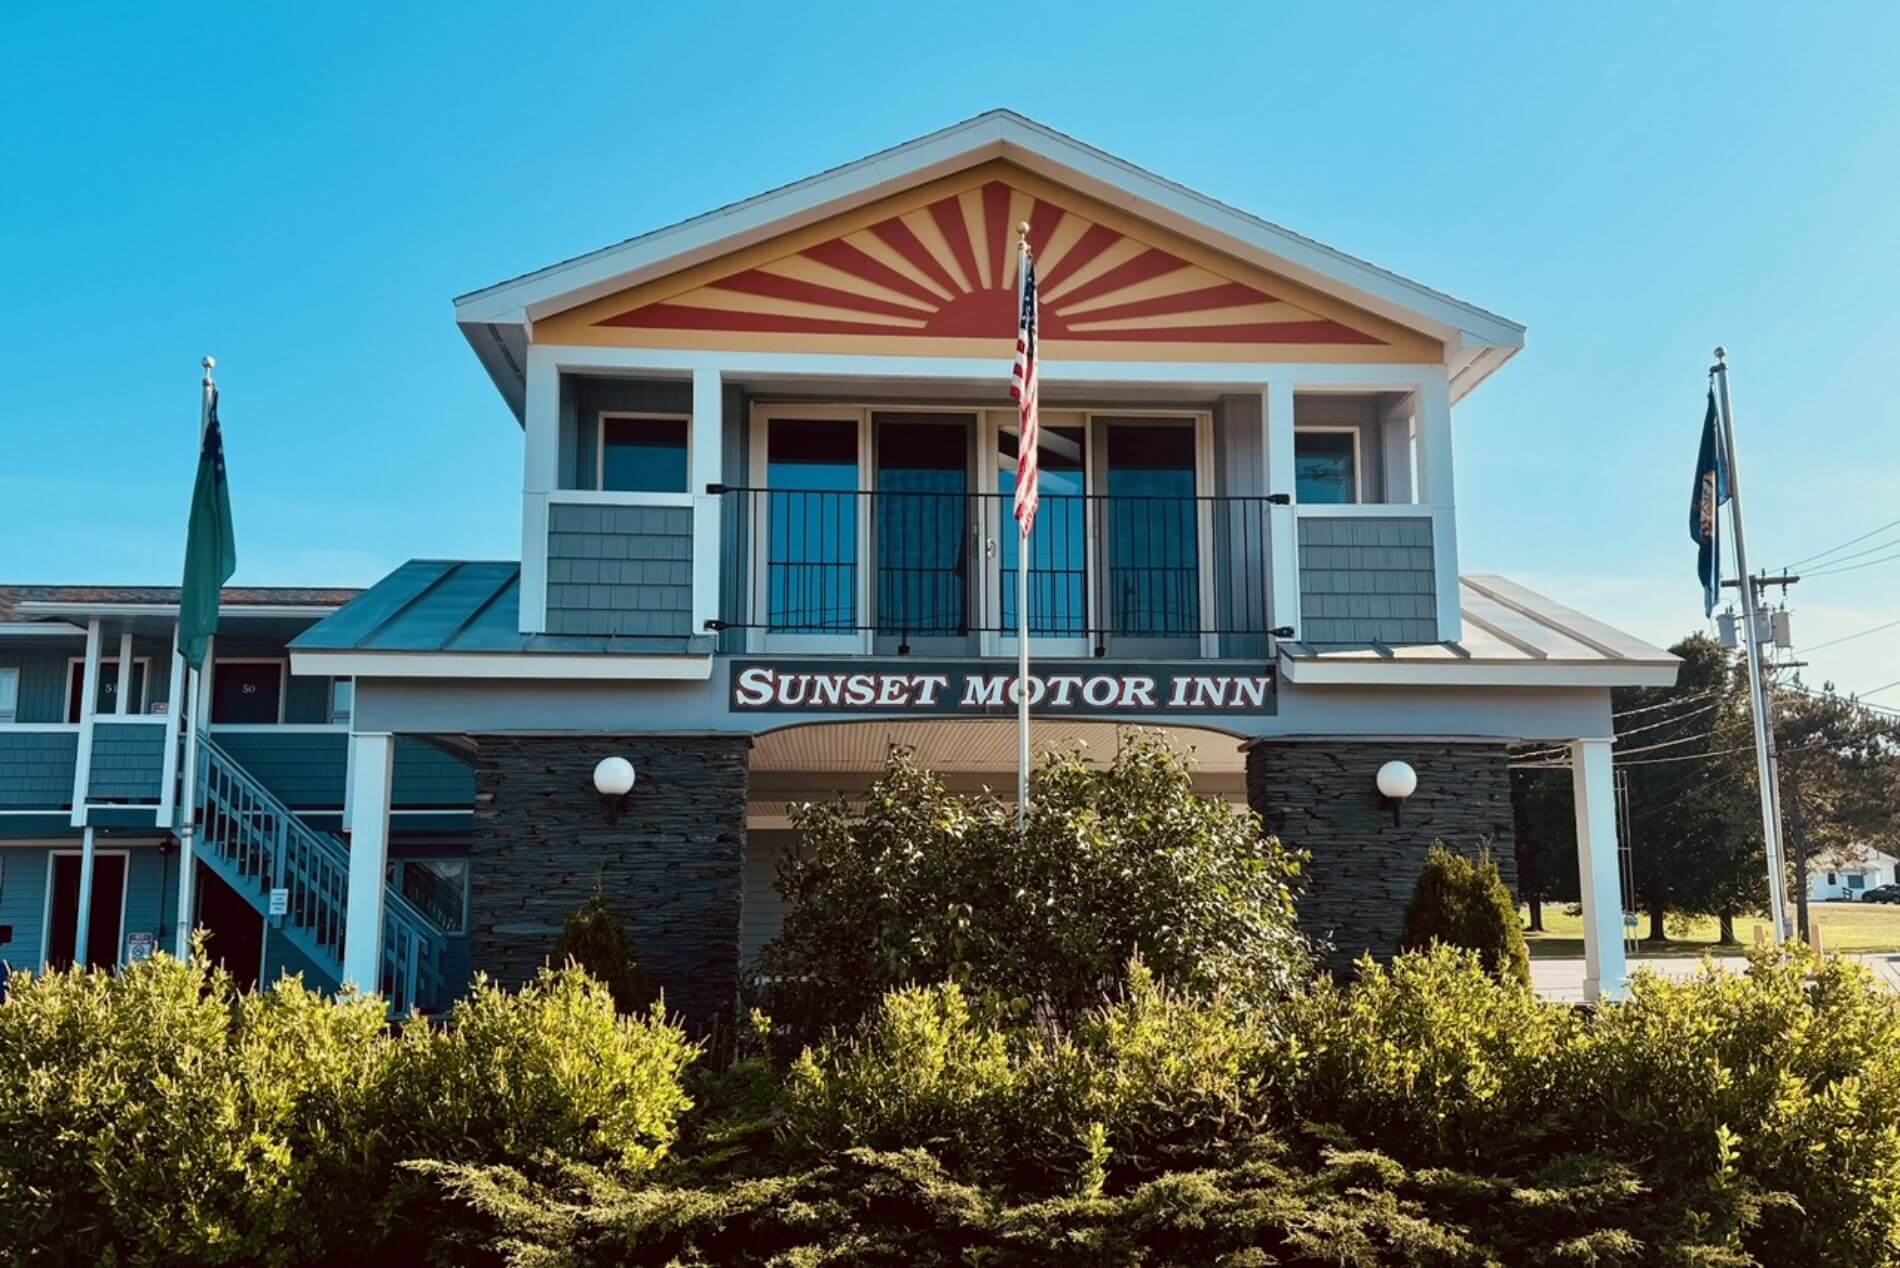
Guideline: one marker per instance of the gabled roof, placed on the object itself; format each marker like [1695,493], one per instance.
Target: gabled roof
[496,320]
[1512,637]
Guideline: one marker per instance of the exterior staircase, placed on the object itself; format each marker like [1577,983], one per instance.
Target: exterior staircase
[255,843]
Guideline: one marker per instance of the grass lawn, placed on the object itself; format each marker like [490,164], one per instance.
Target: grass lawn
[1844,927]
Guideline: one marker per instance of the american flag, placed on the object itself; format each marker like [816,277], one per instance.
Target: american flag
[1023,387]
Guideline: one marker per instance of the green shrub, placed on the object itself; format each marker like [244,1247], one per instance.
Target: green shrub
[1462,903]
[595,939]
[1432,1058]
[547,1072]
[1150,1080]
[921,885]
[1788,1074]
[155,1116]
[925,1071]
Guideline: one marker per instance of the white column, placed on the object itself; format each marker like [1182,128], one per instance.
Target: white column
[1605,972]
[1282,521]
[706,466]
[82,931]
[374,758]
[1437,490]
[1396,444]
[174,710]
[122,690]
[88,698]
[540,466]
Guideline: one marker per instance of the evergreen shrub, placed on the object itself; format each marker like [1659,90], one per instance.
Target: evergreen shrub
[1463,903]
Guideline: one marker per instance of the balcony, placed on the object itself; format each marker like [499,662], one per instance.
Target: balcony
[901,572]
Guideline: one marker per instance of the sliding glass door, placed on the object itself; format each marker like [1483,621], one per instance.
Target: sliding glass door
[810,530]
[922,539]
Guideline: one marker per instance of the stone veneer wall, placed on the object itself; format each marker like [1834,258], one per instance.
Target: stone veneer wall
[1320,796]
[671,865]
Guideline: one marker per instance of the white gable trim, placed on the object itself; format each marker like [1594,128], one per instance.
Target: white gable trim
[497,319]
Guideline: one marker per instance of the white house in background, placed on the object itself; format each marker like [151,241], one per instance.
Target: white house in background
[1832,878]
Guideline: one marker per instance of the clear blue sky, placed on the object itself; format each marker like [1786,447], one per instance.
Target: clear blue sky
[302,193]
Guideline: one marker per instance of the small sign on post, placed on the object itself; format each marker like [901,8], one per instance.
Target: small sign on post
[139,947]
[279,902]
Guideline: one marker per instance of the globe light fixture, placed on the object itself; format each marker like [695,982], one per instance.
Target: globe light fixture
[1397,781]
[613,779]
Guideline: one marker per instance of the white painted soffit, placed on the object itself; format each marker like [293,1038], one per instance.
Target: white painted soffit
[495,318]
[568,666]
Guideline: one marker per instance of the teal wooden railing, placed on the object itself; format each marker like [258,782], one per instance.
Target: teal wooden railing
[256,843]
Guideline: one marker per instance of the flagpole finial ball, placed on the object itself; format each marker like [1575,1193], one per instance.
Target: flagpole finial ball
[1721,353]
[1022,229]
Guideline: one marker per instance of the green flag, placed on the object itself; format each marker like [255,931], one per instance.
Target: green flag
[210,546]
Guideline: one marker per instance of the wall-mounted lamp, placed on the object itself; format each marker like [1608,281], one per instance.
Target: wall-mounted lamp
[1397,781]
[613,779]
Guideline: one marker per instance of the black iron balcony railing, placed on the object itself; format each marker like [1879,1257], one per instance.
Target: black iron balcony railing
[933,564]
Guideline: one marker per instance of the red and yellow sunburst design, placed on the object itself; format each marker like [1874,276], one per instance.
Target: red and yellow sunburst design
[947,270]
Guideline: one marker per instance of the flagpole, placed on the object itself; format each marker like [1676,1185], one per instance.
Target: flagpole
[1765,756]
[1022,596]
[188,802]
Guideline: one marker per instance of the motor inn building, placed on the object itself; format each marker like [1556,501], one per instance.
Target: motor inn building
[767,468]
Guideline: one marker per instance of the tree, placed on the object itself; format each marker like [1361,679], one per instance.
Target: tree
[1693,846]
[1840,780]
[1544,831]
[920,885]
[1463,903]
[595,938]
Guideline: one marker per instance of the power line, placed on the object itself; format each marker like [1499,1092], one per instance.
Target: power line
[1669,704]
[1869,563]
[1847,638]
[1852,541]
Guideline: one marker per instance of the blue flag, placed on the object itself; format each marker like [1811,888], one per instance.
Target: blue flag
[1711,490]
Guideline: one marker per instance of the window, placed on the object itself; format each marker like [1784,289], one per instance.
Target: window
[342,699]
[923,480]
[1058,550]
[106,700]
[642,454]
[438,886]
[247,691]
[812,513]
[1154,573]
[1326,466]
[1856,880]
[9,695]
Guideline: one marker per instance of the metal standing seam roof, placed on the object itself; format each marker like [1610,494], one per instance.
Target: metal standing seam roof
[1505,624]
[450,605]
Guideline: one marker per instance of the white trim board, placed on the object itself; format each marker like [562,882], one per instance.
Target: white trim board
[1466,673]
[1468,331]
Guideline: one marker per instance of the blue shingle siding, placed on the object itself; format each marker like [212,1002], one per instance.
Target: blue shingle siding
[36,768]
[620,570]
[127,761]
[426,776]
[42,679]
[1367,580]
[150,891]
[303,768]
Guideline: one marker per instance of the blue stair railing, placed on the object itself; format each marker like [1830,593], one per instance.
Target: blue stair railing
[255,843]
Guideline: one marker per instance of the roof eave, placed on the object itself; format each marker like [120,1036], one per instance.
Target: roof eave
[486,316]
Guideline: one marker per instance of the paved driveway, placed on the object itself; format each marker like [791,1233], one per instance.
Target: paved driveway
[1563,979]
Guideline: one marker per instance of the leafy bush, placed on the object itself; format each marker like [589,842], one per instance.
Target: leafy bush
[1462,903]
[1148,1080]
[1433,1058]
[1120,861]
[157,1116]
[595,939]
